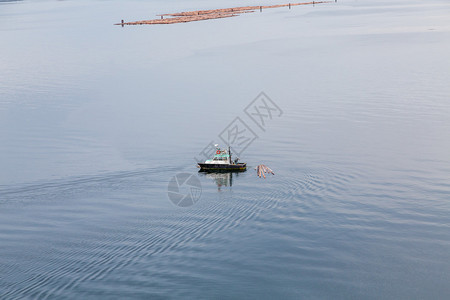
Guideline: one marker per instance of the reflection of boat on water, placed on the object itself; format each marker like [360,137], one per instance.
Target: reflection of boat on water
[221,178]
[222,162]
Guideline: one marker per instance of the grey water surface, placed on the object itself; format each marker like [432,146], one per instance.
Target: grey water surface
[96,119]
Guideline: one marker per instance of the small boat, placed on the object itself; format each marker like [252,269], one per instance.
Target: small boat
[222,162]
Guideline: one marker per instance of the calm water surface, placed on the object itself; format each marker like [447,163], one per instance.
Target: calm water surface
[96,119]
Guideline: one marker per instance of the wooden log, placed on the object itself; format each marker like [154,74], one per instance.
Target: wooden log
[261,171]
[200,15]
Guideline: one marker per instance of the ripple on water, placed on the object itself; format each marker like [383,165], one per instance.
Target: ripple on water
[310,215]
[92,256]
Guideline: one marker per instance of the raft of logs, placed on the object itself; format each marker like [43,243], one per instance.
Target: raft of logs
[200,15]
[261,169]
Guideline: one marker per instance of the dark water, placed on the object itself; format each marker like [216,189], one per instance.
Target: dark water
[96,119]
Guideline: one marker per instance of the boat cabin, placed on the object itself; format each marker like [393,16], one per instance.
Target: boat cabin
[221,157]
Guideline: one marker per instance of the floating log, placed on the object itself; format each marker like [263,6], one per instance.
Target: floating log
[262,169]
[200,15]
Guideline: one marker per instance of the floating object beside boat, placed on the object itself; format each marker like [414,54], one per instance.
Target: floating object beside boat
[222,162]
[261,169]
